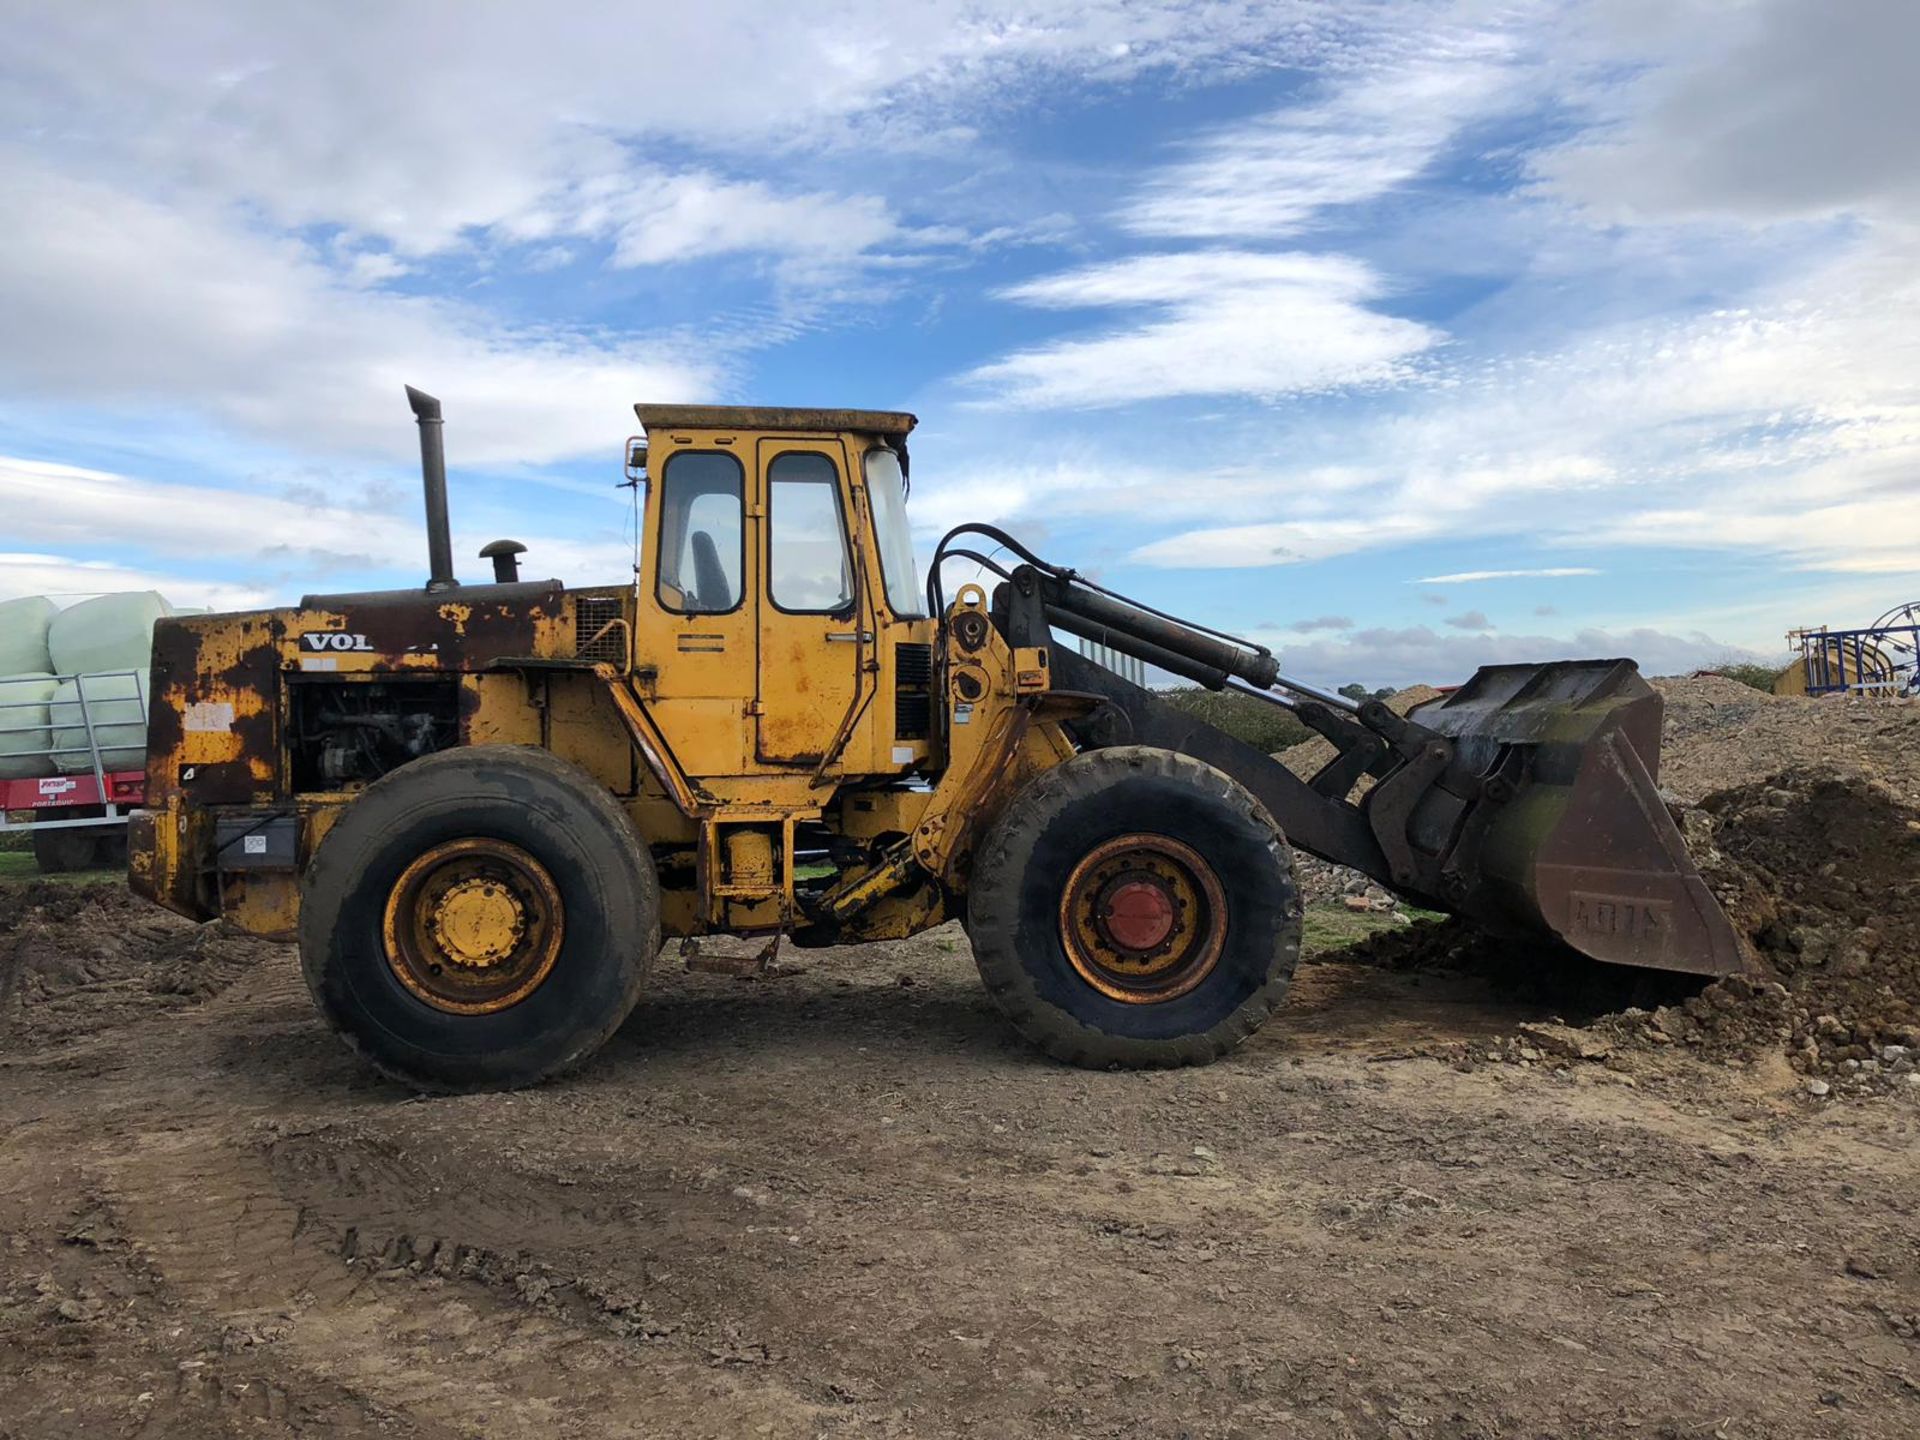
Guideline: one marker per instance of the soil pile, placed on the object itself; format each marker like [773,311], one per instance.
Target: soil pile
[75,959]
[1816,867]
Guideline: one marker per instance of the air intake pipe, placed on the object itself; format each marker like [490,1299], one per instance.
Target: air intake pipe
[433,476]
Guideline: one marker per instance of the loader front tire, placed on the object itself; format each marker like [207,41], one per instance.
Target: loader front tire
[1135,907]
[479,919]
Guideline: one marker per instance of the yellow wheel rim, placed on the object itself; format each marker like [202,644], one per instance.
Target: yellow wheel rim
[473,926]
[1143,919]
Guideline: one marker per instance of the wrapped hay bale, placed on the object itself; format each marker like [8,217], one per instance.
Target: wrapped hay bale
[108,632]
[117,706]
[23,635]
[24,736]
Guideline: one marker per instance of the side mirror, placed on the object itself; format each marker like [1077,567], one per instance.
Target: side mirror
[637,460]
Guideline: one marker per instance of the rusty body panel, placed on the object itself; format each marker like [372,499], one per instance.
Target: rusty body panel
[732,419]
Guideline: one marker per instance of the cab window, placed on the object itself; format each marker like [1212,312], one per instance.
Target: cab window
[702,534]
[887,494]
[807,564]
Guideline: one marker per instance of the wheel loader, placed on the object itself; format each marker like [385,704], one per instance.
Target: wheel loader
[479,808]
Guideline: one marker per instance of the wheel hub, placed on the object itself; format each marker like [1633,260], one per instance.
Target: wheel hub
[478,922]
[1137,914]
[1143,918]
[473,926]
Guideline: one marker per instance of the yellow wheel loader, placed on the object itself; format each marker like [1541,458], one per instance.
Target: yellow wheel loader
[479,808]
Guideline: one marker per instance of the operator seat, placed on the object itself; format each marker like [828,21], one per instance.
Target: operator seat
[712,593]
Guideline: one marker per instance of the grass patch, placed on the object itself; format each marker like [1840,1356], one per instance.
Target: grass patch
[1334,927]
[1326,928]
[1760,677]
[1266,728]
[18,865]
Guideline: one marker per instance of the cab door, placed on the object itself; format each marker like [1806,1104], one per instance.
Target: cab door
[816,638]
[701,573]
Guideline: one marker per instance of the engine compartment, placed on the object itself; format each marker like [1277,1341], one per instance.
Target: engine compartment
[343,734]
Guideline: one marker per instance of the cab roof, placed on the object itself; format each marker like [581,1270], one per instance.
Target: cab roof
[753,417]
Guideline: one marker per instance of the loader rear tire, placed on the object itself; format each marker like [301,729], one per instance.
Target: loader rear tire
[1135,907]
[479,919]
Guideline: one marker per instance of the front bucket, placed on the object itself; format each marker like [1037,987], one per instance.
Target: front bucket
[1573,840]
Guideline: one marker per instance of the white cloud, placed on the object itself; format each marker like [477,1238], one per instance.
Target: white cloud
[1373,132]
[1787,424]
[653,216]
[1224,322]
[677,217]
[1468,576]
[238,547]
[398,122]
[208,208]
[1243,323]
[1867,534]
[1282,542]
[134,306]
[1417,654]
[74,508]
[1076,482]
[1470,620]
[67,579]
[1789,427]
[1417,499]
[374,267]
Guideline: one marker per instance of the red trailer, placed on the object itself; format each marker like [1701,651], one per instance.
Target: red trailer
[76,820]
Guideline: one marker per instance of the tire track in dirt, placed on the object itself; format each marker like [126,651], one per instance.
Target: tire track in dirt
[203,1202]
[215,1227]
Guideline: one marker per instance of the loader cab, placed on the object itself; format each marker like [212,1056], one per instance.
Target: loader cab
[780,624]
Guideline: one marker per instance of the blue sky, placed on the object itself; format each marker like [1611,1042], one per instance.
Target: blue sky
[1401,337]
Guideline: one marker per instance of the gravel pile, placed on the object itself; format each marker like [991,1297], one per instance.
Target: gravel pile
[1323,883]
[1720,734]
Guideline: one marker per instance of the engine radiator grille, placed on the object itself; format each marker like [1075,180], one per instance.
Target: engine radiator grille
[595,637]
[913,690]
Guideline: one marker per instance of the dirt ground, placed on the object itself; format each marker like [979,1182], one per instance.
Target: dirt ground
[848,1201]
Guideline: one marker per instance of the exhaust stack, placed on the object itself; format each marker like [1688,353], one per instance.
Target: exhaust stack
[433,476]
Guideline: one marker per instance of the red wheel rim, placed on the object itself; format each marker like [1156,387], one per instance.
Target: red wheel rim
[1143,918]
